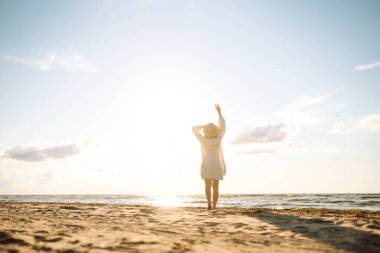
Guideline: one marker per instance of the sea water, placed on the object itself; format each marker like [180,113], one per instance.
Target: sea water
[277,201]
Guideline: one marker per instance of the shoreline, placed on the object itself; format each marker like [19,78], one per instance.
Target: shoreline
[98,227]
[193,207]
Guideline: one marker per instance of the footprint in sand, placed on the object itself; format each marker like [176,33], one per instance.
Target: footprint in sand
[239,225]
[5,238]
[75,226]
[40,238]
[315,220]
[63,234]
[17,231]
[42,232]
[188,240]
[138,243]
[212,224]
[373,226]
[43,248]
[238,241]
[165,231]
[178,247]
[70,207]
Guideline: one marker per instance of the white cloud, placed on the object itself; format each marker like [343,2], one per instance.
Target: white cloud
[301,112]
[259,151]
[261,134]
[307,110]
[371,122]
[310,101]
[41,152]
[295,145]
[368,66]
[273,148]
[48,61]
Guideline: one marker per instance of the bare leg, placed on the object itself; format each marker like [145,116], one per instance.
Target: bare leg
[215,193]
[208,192]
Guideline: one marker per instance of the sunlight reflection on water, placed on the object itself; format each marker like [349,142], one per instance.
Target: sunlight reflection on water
[169,201]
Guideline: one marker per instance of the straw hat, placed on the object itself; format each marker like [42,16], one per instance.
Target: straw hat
[210,130]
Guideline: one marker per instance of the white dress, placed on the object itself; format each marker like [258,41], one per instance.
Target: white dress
[213,165]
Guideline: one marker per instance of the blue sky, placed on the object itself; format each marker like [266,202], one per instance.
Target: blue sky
[100,96]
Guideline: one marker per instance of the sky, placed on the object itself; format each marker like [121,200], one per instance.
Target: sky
[99,97]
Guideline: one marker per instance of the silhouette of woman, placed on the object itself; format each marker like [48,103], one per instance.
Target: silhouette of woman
[213,167]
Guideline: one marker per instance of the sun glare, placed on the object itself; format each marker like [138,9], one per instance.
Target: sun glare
[169,201]
[164,111]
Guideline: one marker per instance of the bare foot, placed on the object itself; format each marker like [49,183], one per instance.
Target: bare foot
[209,207]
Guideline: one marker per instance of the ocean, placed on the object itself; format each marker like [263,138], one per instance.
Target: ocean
[277,201]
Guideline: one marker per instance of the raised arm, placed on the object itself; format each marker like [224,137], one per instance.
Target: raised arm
[221,121]
[197,132]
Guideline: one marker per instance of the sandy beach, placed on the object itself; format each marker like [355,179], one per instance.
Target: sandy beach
[78,227]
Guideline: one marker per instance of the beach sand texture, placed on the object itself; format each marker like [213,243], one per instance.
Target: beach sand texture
[78,227]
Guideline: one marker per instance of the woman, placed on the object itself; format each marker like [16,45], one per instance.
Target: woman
[213,167]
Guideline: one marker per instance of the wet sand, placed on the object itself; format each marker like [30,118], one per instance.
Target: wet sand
[78,227]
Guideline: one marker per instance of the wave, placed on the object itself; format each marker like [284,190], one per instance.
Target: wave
[371,197]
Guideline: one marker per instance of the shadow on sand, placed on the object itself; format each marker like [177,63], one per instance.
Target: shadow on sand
[349,239]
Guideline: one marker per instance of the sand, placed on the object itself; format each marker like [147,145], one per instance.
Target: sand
[62,227]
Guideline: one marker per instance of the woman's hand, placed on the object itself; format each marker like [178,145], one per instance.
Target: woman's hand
[218,109]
